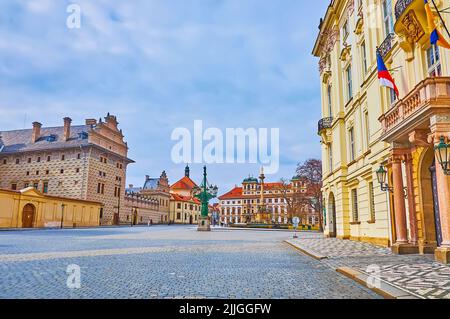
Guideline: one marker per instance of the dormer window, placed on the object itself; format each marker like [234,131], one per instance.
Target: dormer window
[51,138]
[83,135]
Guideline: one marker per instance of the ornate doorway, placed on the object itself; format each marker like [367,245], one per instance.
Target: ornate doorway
[429,194]
[332,214]
[28,214]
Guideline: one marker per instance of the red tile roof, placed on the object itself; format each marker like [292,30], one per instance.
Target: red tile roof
[181,198]
[184,183]
[236,192]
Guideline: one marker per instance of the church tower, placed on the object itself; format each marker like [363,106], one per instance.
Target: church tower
[186,170]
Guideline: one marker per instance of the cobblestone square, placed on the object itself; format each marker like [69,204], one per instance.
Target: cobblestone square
[164,262]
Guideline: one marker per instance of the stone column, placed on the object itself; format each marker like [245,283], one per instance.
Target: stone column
[440,126]
[442,253]
[399,200]
[411,204]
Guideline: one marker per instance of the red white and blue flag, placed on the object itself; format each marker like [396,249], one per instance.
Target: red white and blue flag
[384,75]
[436,37]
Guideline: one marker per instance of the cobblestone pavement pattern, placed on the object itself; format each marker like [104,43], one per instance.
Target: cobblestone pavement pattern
[164,262]
[419,275]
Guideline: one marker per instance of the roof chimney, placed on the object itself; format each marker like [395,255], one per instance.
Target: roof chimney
[91,122]
[36,132]
[67,121]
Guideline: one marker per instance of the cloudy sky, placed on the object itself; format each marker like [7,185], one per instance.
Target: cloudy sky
[161,64]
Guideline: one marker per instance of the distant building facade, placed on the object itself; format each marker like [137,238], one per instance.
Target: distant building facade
[85,162]
[147,204]
[184,207]
[256,201]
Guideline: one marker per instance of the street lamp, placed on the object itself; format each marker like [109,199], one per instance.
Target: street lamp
[381,177]
[204,194]
[442,151]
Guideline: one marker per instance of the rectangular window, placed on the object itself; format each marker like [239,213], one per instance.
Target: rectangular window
[348,78]
[45,187]
[388,18]
[345,31]
[63,157]
[367,127]
[330,105]
[434,61]
[364,58]
[355,205]
[392,96]
[35,185]
[48,158]
[371,202]
[17,161]
[351,140]
[14,186]
[38,159]
[330,157]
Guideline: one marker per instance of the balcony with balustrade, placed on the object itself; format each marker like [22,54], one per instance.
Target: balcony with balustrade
[324,128]
[412,113]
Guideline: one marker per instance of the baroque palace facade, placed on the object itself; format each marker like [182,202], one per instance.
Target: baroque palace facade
[365,126]
[86,162]
[184,207]
[147,204]
[256,201]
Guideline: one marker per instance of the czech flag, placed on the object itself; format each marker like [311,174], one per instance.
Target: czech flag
[435,36]
[384,75]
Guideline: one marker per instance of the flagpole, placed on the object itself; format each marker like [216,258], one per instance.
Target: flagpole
[440,17]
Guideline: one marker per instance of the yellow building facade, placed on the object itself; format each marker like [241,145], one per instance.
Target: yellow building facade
[29,208]
[365,126]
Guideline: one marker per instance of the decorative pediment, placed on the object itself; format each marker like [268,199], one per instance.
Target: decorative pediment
[359,26]
[31,191]
[345,53]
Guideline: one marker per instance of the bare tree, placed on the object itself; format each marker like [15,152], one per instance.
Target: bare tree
[293,197]
[310,172]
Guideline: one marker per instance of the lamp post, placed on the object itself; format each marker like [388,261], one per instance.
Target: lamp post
[442,151]
[204,193]
[382,176]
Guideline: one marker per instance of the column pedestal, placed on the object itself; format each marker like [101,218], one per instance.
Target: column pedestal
[204,224]
[442,255]
[404,249]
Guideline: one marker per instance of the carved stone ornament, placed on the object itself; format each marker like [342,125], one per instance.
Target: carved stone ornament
[413,28]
